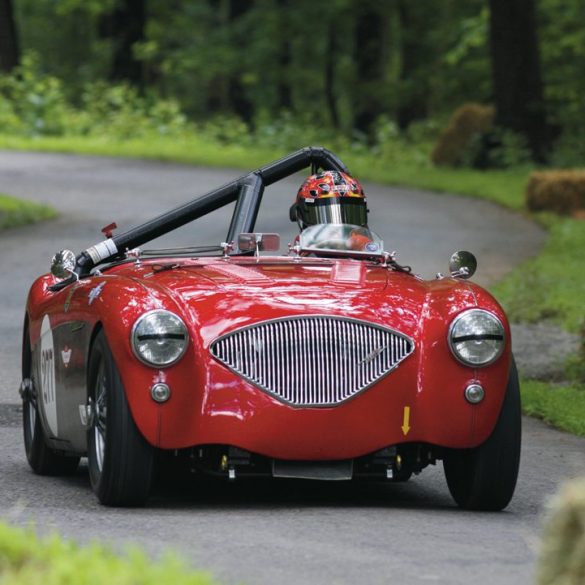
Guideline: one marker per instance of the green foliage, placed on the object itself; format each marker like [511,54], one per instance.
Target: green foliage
[65,36]
[120,112]
[563,55]
[26,559]
[16,212]
[550,287]
[560,405]
[230,57]
[506,149]
[32,103]
[464,72]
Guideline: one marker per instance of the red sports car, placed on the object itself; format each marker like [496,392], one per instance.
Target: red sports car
[333,362]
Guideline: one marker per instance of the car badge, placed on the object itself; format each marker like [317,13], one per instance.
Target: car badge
[371,247]
[66,355]
[95,292]
[372,355]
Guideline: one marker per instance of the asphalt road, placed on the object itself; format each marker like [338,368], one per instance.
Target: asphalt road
[274,532]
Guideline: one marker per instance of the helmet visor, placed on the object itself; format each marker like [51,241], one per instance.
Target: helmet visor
[339,210]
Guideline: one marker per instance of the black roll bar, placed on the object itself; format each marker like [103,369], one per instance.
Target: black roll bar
[246,190]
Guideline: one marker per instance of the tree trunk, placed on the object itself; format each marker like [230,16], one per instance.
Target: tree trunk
[125,26]
[239,103]
[9,52]
[414,87]
[330,60]
[369,57]
[517,80]
[284,58]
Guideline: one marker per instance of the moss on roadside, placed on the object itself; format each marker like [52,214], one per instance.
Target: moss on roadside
[17,212]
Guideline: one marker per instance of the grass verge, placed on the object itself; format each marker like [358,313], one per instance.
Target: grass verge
[562,406]
[26,559]
[550,287]
[16,212]
[503,187]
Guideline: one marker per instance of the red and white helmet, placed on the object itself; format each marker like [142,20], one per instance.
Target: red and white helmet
[330,197]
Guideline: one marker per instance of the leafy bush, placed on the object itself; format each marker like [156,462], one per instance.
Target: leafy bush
[31,103]
[121,112]
[26,559]
[500,149]
[561,192]
[562,559]
[34,104]
[226,130]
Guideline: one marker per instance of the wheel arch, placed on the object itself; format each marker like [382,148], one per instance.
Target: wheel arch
[26,353]
[94,333]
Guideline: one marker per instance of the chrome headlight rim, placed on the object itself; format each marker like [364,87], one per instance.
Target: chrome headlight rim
[456,355]
[138,355]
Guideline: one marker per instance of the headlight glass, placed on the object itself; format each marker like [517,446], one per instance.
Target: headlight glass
[159,338]
[476,337]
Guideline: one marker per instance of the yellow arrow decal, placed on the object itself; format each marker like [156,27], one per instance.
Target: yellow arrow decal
[406,420]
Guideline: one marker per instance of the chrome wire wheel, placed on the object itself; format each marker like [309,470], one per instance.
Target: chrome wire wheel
[100,417]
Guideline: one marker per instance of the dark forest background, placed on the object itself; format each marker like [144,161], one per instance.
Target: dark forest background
[341,65]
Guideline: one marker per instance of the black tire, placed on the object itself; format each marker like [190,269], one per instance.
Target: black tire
[119,458]
[42,459]
[484,478]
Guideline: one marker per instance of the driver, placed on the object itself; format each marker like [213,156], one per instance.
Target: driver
[333,197]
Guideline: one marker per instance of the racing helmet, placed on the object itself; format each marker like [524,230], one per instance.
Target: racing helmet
[330,197]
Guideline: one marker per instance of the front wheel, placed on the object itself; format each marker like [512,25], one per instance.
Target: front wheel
[484,478]
[119,458]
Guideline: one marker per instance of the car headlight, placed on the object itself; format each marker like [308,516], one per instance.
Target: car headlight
[159,338]
[476,337]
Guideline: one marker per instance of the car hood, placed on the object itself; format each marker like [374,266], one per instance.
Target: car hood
[220,296]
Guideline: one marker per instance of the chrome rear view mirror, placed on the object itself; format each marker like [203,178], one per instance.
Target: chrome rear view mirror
[63,264]
[462,265]
[257,243]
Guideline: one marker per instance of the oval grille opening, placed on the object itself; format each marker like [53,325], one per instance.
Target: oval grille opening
[312,361]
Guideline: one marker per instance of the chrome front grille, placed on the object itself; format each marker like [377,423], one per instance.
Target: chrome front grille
[313,360]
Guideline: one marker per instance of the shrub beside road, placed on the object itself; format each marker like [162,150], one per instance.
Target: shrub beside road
[562,558]
[27,559]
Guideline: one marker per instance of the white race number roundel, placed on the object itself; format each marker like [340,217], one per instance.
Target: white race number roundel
[47,371]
